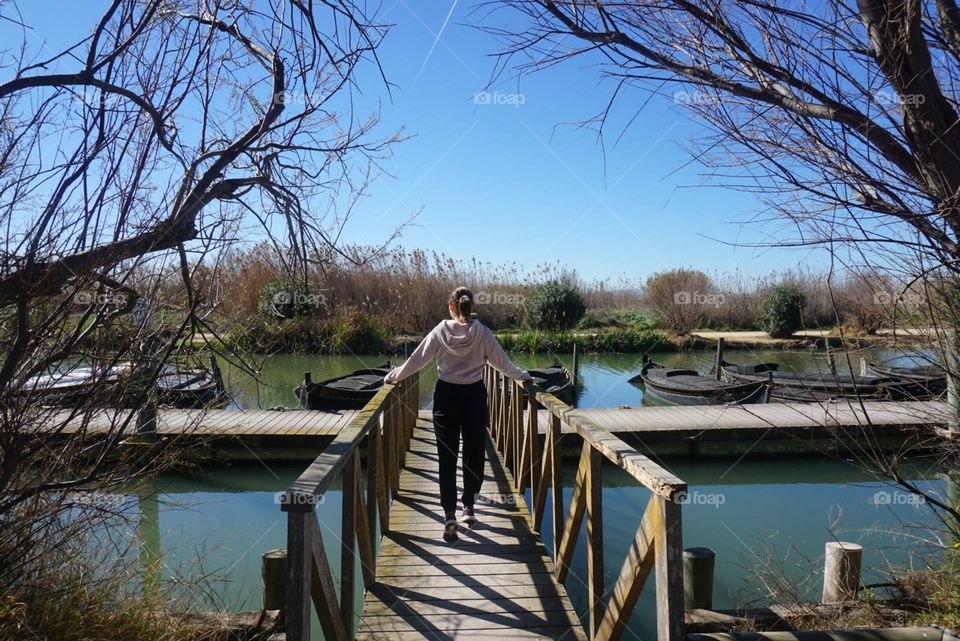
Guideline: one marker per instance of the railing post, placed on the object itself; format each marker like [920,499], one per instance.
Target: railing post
[396,443]
[348,545]
[668,560]
[533,429]
[556,478]
[299,558]
[504,411]
[594,494]
[516,420]
[381,444]
[373,492]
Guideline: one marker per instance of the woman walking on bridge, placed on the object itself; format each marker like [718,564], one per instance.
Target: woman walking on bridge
[462,346]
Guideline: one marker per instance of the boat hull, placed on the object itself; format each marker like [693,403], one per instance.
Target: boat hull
[693,388]
[351,391]
[790,387]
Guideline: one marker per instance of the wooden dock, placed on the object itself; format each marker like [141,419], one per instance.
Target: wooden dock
[707,430]
[496,582]
[215,422]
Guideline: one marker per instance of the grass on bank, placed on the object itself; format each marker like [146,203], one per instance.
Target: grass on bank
[601,341]
[74,608]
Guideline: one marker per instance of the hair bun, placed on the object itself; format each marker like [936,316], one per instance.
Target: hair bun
[464,299]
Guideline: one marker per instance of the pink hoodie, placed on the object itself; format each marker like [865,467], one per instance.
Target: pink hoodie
[461,350]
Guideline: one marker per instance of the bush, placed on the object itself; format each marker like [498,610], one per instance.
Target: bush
[350,332]
[284,298]
[677,297]
[555,305]
[597,318]
[781,311]
[605,341]
[356,333]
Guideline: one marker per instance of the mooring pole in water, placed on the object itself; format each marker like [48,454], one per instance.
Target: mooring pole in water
[698,578]
[304,395]
[576,364]
[273,573]
[147,415]
[148,531]
[841,571]
[217,375]
[718,365]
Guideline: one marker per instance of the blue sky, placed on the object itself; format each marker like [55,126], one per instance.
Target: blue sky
[508,181]
[511,182]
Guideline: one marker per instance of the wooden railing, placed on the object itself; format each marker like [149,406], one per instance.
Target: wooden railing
[385,426]
[658,544]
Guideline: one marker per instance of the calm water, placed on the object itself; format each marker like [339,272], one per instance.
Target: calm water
[216,522]
[603,378]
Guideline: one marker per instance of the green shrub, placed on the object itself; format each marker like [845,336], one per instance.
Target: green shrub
[356,333]
[555,305]
[284,298]
[597,318]
[604,341]
[781,311]
[351,332]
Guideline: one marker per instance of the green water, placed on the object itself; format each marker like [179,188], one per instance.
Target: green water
[603,377]
[216,521]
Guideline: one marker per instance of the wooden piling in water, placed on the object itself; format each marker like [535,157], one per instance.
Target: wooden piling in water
[698,578]
[273,574]
[841,571]
[576,364]
[718,365]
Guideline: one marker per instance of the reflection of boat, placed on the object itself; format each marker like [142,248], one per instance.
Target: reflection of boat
[932,378]
[351,391]
[792,386]
[672,386]
[555,380]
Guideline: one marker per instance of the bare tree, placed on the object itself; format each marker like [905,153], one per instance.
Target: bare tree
[842,116]
[167,132]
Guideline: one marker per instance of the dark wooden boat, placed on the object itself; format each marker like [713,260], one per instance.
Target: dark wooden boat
[176,387]
[351,391]
[815,387]
[932,378]
[190,388]
[556,380]
[673,386]
[71,385]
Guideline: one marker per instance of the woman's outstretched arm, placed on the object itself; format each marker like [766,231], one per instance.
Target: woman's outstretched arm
[421,356]
[499,359]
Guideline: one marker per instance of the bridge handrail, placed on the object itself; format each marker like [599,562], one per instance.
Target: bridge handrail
[385,425]
[658,543]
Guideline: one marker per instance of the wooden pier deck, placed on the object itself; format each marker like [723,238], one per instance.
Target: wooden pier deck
[216,422]
[496,582]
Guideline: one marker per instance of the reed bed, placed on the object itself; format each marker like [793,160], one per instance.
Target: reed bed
[368,298]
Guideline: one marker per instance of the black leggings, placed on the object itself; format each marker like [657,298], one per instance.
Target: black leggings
[460,409]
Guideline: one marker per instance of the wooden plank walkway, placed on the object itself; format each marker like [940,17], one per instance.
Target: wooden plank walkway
[619,420]
[495,582]
[216,422]
[683,420]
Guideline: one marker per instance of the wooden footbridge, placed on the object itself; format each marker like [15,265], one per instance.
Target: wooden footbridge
[498,580]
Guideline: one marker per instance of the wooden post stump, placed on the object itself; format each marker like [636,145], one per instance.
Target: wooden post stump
[273,572]
[841,571]
[698,578]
